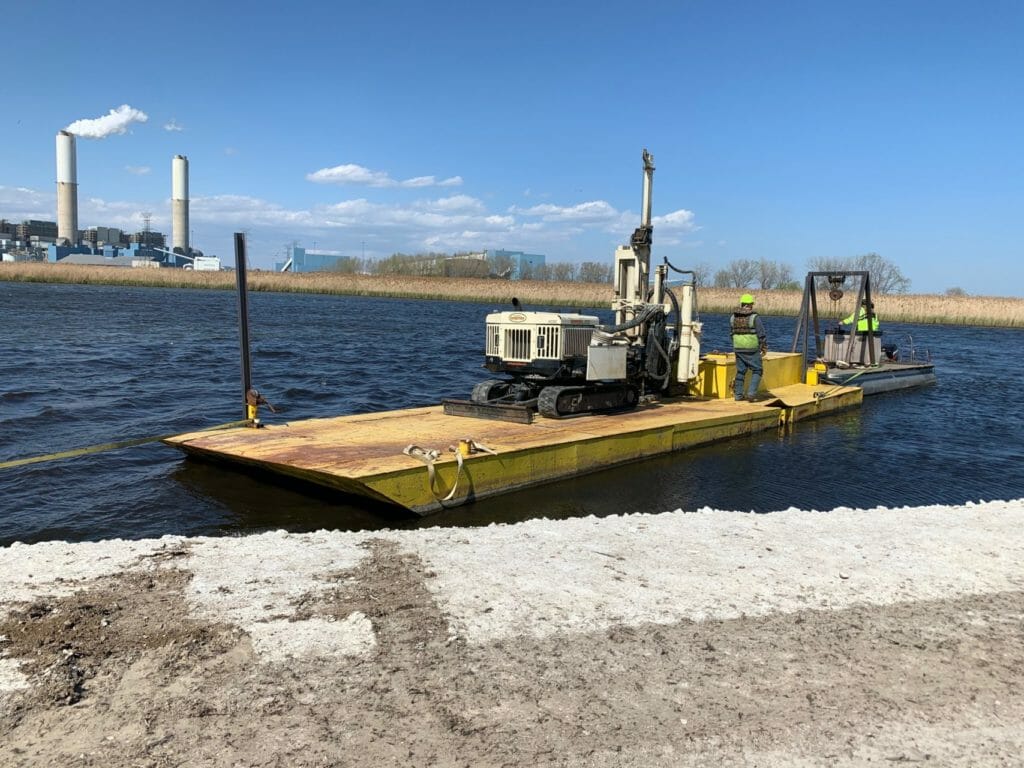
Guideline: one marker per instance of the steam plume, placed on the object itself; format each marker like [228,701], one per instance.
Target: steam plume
[116,121]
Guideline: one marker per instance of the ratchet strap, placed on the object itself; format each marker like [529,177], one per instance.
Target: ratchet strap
[108,446]
[465,448]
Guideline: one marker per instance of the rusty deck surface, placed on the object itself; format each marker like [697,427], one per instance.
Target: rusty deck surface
[363,454]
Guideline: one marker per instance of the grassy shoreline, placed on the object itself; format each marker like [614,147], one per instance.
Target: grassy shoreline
[989,311]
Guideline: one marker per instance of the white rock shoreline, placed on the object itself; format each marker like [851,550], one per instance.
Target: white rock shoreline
[291,599]
[504,580]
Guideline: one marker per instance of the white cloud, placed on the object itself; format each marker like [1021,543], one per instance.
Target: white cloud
[466,240]
[459,212]
[115,121]
[230,151]
[574,220]
[173,125]
[675,228]
[588,231]
[681,220]
[350,173]
[138,170]
[595,211]
[123,214]
[20,203]
[419,181]
[453,203]
[532,226]
[247,211]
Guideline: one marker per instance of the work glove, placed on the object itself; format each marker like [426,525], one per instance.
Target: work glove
[764,350]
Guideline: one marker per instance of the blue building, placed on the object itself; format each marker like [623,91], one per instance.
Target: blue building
[300,260]
[56,253]
[524,265]
[113,255]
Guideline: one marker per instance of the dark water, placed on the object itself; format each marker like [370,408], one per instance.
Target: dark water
[86,365]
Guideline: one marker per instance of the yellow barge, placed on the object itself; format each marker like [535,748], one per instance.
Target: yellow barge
[580,396]
[424,460]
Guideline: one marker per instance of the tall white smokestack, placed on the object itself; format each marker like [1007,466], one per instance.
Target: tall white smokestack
[179,203]
[67,190]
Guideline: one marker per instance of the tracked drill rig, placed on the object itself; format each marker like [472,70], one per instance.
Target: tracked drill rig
[566,364]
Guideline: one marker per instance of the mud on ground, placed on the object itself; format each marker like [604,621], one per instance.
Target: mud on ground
[122,672]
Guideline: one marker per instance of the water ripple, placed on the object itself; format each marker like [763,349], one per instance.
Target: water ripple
[92,365]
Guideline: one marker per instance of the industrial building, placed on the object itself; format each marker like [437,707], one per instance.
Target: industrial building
[115,255]
[37,231]
[523,265]
[515,265]
[63,241]
[97,237]
[299,259]
[58,240]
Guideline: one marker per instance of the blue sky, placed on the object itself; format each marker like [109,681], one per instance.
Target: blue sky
[783,130]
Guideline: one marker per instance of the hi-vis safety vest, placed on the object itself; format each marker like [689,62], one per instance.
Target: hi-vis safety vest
[862,321]
[744,335]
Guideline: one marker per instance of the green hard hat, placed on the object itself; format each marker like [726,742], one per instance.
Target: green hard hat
[746,298]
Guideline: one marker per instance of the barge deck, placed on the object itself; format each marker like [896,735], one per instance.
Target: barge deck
[412,457]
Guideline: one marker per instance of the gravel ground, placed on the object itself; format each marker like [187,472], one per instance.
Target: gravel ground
[687,638]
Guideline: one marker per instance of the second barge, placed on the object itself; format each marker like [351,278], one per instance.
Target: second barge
[854,357]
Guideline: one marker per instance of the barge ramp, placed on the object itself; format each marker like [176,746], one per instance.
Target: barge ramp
[413,458]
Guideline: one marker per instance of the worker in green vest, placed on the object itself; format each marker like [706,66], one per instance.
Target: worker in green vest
[750,343]
[867,312]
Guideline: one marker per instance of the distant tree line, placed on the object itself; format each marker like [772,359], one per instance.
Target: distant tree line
[763,274]
[759,274]
[466,265]
[886,277]
[767,275]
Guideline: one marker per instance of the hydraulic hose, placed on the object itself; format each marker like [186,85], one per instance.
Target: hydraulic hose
[657,355]
[645,314]
[664,377]
[693,280]
[675,308]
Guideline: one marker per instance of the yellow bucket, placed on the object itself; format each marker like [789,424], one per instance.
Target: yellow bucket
[812,377]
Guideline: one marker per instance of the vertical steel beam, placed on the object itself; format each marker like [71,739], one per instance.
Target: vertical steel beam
[243,318]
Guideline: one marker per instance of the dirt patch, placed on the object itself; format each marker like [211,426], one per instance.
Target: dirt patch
[63,643]
[76,650]
[937,682]
[930,681]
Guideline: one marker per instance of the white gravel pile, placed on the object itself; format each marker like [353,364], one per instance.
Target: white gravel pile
[543,577]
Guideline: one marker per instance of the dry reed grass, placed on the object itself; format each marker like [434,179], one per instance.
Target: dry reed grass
[952,310]
[990,311]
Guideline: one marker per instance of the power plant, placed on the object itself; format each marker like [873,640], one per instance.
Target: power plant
[179,204]
[64,241]
[67,190]
[67,196]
